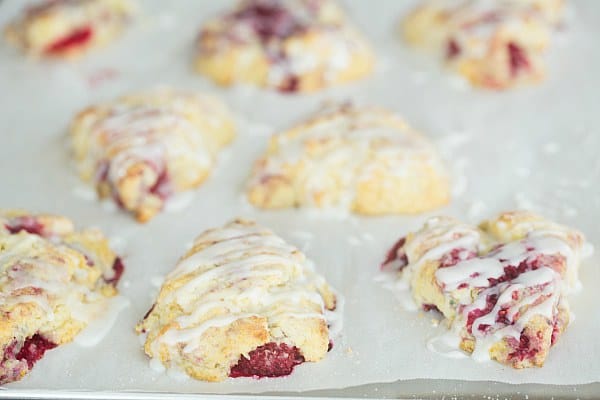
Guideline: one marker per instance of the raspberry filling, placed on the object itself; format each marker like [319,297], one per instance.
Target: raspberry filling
[490,302]
[162,186]
[524,348]
[269,20]
[33,349]
[456,256]
[517,59]
[270,360]
[452,49]
[76,38]
[25,223]
[118,269]
[430,307]
[291,84]
[392,256]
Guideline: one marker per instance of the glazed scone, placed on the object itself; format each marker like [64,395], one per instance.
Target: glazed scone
[241,302]
[54,281]
[142,148]
[501,286]
[364,160]
[67,28]
[289,45]
[495,44]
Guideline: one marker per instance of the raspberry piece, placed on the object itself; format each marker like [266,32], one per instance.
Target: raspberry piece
[270,20]
[27,224]
[455,256]
[78,37]
[452,49]
[118,269]
[33,349]
[490,302]
[392,255]
[518,59]
[270,360]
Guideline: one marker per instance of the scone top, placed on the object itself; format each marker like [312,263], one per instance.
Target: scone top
[494,44]
[54,281]
[241,302]
[348,158]
[68,28]
[143,148]
[502,286]
[289,45]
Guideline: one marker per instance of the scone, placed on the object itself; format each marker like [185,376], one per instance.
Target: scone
[364,160]
[289,45]
[66,28]
[241,302]
[53,282]
[501,286]
[494,44]
[142,148]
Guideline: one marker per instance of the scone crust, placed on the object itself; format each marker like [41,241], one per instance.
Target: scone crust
[288,45]
[363,160]
[501,286]
[238,288]
[54,280]
[496,45]
[68,28]
[142,148]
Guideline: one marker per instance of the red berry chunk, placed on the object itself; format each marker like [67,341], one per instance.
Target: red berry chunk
[78,37]
[270,360]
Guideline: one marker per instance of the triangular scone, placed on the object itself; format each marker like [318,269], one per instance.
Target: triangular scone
[53,282]
[364,160]
[495,44]
[67,28]
[502,286]
[241,302]
[141,149]
[289,45]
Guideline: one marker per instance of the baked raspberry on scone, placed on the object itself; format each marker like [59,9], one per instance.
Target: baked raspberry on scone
[501,286]
[67,28]
[241,302]
[494,44]
[54,281]
[143,148]
[288,45]
[347,158]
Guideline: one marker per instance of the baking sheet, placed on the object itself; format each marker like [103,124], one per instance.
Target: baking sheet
[532,148]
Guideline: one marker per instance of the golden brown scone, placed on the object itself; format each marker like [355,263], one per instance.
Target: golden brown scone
[143,148]
[68,28]
[364,160]
[241,302]
[53,282]
[289,45]
[494,44]
[502,287]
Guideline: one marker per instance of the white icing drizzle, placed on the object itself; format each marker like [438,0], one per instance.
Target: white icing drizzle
[342,148]
[48,267]
[549,255]
[159,128]
[237,272]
